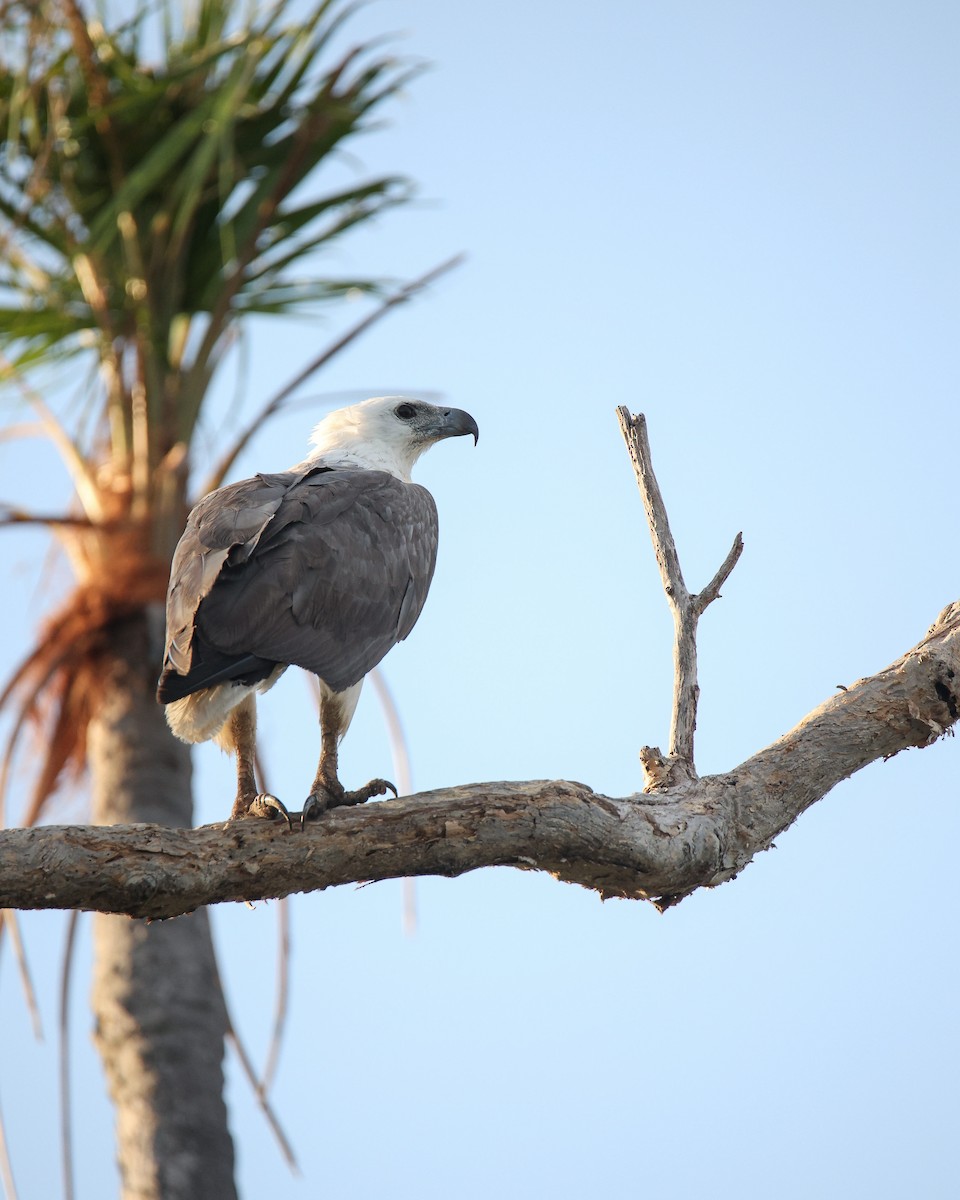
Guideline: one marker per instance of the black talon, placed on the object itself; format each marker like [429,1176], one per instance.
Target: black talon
[312,803]
[269,807]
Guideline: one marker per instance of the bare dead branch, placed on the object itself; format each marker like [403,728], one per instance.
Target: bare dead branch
[634,430]
[661,846]
[712,591]
[685,608]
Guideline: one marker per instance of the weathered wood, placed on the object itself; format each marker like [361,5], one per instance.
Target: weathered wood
[686,607]
[660,845]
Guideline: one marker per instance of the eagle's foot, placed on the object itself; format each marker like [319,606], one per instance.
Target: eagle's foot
[263,806]
[322,799]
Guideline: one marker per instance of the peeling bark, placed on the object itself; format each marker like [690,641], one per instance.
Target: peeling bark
[680,834]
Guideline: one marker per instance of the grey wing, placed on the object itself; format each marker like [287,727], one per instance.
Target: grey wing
[337,577]
[229,520]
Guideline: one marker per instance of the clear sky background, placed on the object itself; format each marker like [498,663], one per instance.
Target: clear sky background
[740,219]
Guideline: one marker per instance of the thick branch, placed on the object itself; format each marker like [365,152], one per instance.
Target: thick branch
[659,846]
[686,608]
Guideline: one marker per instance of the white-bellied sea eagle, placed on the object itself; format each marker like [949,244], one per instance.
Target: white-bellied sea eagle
[325,566]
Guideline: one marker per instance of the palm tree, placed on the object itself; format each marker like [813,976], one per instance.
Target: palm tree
[146,211]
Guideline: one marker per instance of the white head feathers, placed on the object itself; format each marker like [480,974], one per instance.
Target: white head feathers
[388,433]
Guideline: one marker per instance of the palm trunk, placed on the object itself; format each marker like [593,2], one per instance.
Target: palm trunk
[159,1011]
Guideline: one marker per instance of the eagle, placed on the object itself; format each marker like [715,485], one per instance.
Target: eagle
[325,567]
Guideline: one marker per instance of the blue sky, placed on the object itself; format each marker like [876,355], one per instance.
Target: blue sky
[740,219]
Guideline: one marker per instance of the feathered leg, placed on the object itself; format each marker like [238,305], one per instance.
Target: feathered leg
[240,735]
[336,712]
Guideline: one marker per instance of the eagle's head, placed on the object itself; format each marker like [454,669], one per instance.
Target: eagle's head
[388,433]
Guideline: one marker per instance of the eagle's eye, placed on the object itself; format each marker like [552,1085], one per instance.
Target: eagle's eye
[405,411]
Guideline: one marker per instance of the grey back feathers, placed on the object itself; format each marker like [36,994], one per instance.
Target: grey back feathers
[324,568]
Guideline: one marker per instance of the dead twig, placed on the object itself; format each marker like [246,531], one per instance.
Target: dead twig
[685,606]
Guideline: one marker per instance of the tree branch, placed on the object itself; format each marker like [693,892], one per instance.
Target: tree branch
[712,591]
[686,608]
[662,845]
[683,833]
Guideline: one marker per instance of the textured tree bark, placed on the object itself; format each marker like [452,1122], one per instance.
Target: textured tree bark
[157,1002]
[681,834]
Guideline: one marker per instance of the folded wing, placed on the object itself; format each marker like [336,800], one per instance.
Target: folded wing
[326,569]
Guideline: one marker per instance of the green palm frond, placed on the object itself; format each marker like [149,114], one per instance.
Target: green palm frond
[145,194]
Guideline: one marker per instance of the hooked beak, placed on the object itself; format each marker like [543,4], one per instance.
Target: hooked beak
[457,423]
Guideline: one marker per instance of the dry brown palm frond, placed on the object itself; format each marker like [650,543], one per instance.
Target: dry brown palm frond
[10,920]
[56,687]
[64,737]
[32,676]
[246,1065]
